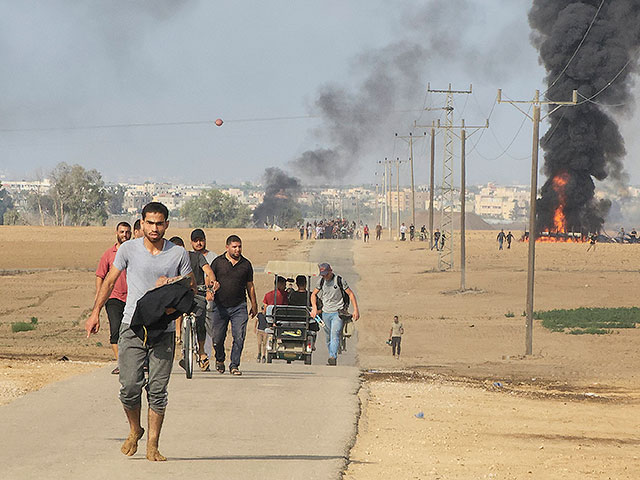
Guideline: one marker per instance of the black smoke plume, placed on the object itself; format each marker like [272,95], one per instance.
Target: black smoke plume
[390,80]
[583,142]
[279,206]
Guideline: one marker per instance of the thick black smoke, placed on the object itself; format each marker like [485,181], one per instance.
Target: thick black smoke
[584,141]
[279,206]
[359,120]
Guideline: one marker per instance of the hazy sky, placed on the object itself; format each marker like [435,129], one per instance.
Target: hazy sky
[84,63]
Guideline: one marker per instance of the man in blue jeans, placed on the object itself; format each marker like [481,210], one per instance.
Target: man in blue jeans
[329,289]
[234,273]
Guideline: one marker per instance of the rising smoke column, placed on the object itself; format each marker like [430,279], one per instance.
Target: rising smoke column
[357,120]
[584,143]
[279,205]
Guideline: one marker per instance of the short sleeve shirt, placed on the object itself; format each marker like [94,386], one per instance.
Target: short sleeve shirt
[280,297]
[197,262]
[396,329]
[233,280]
[144,269]
[120,288]
[330,294]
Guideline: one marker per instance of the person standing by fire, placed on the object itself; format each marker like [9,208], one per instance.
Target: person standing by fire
[593,238]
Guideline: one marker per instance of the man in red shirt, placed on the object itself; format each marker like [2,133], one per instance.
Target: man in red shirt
[261,321]
[115,304]
[280,293]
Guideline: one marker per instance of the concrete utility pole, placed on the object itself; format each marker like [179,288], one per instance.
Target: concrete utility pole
[534,195]
[387,194]
[445,258]
[463,192]
[409,138]
[431,175]
[398,162]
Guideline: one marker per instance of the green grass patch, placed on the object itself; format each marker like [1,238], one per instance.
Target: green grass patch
[509,314]
[592,321]
[22,327]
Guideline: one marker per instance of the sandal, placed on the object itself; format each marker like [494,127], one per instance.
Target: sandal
[235,371]
[220,367]
[204,363]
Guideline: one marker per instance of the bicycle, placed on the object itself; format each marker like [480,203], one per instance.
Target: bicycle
[189,335]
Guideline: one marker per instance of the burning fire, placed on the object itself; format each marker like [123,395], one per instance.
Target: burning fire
[558,231]
[559,220]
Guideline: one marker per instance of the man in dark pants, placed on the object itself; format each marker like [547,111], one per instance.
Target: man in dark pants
[395,335]
[234,273]
[118,297]
[150,262]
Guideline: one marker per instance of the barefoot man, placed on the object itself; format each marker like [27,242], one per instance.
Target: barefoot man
[149,261]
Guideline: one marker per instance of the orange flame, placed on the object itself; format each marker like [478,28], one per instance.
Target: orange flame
[558,231]
[559,220]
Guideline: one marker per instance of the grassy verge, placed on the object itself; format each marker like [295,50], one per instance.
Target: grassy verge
[594,321]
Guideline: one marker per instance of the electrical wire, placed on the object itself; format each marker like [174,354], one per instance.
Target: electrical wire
[609,83]
[577,49]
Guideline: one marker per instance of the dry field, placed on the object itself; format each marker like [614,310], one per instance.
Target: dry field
[48,273]
[569,411]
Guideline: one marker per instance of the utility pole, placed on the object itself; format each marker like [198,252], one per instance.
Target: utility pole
[463,192]
[388,214]
[398,162]
[445,258]
[534,195]
[431,174]
[409,138]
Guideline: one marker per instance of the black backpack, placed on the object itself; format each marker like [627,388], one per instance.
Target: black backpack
[345,296]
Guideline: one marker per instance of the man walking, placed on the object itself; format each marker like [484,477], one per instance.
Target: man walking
[501,236]
[366,233]
[115,305]
[378,231]
[204,276]
[395,335]
[403,232]
[436,240]
[509,239]
[331,289]
[150,262]
[235,275]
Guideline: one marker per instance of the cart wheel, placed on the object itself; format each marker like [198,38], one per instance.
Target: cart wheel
[307,359]
[269,357]
[288,362]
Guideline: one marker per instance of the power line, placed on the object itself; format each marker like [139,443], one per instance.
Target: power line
[609,83]
[577,49]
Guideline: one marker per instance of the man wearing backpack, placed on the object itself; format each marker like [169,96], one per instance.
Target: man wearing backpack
[336,296]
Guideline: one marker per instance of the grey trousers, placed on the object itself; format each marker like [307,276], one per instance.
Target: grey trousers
[131,359]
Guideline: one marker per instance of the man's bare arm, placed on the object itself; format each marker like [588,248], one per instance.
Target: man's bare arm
[99,282]
[314,303]
[251,290]
[354,302]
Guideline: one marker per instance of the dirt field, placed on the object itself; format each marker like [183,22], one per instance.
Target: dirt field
[48,273]
[569,411]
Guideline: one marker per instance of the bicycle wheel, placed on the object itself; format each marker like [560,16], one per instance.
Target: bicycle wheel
[187,342]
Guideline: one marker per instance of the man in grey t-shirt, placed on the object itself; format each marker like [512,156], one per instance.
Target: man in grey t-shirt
[150,262]
[329,291]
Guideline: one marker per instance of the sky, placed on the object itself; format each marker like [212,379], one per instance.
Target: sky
[87,82]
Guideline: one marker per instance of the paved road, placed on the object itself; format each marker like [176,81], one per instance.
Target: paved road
[276,421]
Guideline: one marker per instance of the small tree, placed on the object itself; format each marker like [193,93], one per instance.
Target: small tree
[79,195]
[213,208]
